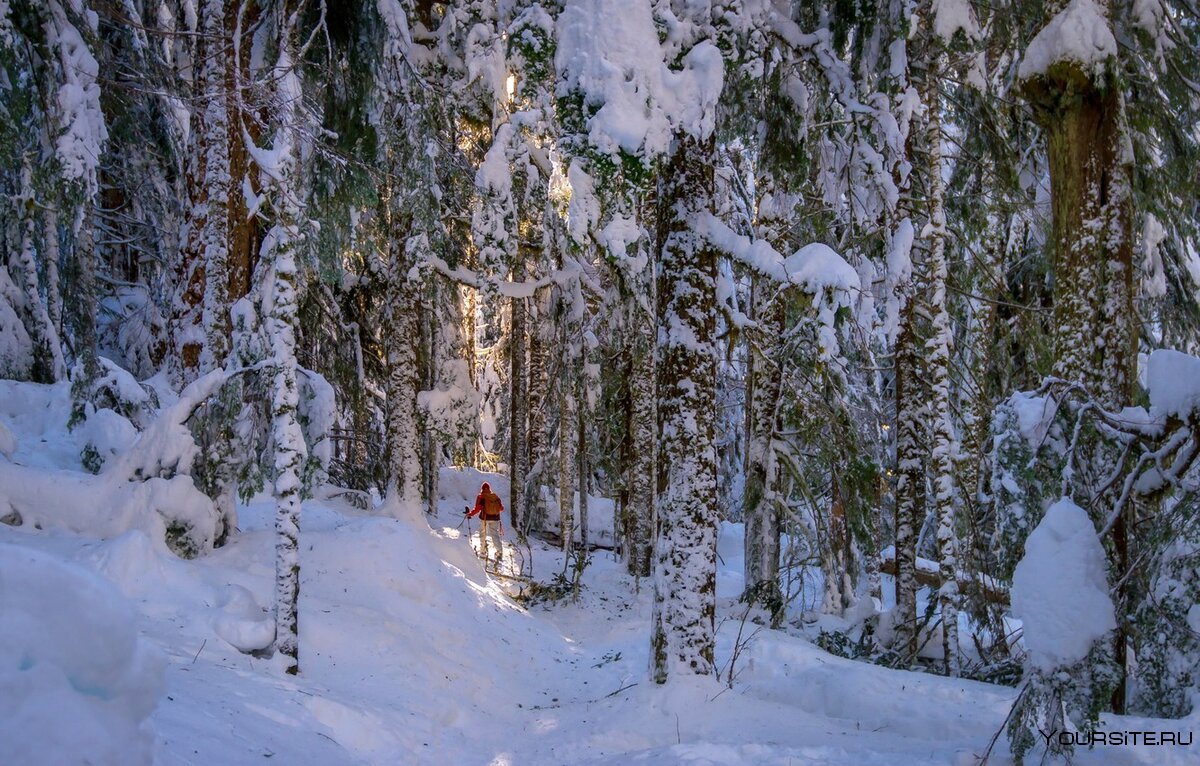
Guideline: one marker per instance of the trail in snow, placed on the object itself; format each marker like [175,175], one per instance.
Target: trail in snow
[411,653]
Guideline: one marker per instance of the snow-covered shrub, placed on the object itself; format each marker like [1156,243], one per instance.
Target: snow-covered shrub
[1029,441]
[133,330]
[113,388]
[77,684]
[1060,593]
[107,505]
[1169,624]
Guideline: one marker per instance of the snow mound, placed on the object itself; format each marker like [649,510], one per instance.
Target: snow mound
[106,506]
[1173,380]
[108,432]
[77,684]
[242,622]
[1059,589]
[1079,33]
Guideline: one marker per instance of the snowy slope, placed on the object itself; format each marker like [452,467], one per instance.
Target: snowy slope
[412,654]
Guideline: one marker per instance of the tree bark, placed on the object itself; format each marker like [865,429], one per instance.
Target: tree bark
[683,626]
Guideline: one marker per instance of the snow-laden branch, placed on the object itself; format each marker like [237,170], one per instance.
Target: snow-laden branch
[813,268]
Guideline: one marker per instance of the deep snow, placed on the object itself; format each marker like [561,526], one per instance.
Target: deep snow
[411,653]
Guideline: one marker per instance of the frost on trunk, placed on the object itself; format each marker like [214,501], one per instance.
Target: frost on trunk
[84,299]
[290,451]
[402,341]
[567,442]
[539,386]
[413,229]
[199,322]
[943,445]
[584,469]
[53,289]
[281,249]
[685,574]
[1090,161]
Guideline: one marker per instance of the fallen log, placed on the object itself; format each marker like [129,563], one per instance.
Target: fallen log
[928,575]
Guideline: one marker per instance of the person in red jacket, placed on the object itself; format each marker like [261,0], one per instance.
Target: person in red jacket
[488,507]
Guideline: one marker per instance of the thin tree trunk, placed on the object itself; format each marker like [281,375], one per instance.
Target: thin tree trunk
[910,481]
[584,469]
[281,317]
[518,424]
[567,443]
[84,295]
[760,502]
[53,286]
[639,536]
[539,387]
[944,446]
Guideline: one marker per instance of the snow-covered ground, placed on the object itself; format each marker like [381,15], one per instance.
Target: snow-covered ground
[412,653]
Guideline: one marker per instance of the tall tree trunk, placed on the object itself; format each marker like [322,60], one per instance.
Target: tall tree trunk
[84,298]
[760,500]
[639,532]
[403,339]
[431,448]
[53,288]
[584,470]
[217,183]
[683,626]
[199,321]
[48,364]
[281,306]
[518,423]
[242,228]
[1082,111]
[943,443]
[910,481]
[539,387]
[567,441]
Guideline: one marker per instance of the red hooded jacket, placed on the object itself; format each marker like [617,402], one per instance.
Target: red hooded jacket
[488,503]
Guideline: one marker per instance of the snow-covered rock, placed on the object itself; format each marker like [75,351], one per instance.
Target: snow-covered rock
[77,684]
[1060,591]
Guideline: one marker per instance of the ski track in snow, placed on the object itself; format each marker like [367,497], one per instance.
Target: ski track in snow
[411,653]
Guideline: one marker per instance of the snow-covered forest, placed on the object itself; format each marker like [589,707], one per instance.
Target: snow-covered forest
[837,365]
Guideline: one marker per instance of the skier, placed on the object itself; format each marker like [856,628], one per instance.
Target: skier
[489,508]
